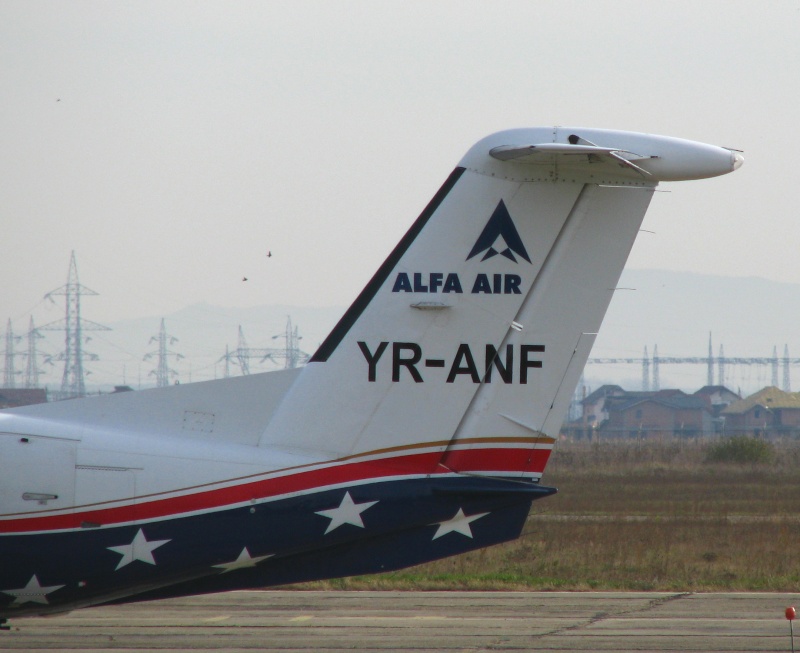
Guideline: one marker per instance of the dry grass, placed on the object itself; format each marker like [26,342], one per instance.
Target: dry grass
[670,479]
[640,516]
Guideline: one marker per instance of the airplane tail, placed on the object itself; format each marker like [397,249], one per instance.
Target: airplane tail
[442,386]
[463,351]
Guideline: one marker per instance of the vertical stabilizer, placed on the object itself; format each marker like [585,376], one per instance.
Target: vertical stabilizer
[473,333]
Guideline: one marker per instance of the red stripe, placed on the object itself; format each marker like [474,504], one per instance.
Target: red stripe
[506,460]
[501,460]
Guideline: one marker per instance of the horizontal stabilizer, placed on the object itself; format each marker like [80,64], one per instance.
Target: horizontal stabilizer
[607,156]
[550,152]
[516,152]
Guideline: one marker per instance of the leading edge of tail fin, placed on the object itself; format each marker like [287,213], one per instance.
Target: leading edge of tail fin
[474,331]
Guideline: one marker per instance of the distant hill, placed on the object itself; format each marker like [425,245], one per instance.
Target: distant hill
[677,311]
[674,310]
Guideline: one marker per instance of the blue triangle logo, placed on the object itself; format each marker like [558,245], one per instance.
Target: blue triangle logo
[500,236]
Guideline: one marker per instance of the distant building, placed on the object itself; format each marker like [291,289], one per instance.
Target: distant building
[717,397]
[657,414]
[770,412]
[594,406]
[15,397]
[612,412]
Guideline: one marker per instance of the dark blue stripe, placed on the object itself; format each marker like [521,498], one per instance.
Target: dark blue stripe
[80,567]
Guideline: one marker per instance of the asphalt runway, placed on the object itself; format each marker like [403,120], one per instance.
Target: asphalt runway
[420,621]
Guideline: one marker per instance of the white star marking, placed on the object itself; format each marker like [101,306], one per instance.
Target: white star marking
[139,549]
[33,592]
[347,513]
[244,560]
[458,524]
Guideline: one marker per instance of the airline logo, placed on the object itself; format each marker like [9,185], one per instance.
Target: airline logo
[499,237]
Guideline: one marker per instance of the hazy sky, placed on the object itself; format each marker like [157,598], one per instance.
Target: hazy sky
[173,144]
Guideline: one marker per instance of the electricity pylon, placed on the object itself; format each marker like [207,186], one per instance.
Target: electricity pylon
[32,367]
[292,355]
[163,370]
[10,372]
[72,382]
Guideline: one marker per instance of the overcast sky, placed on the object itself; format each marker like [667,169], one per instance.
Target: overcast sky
[173,144]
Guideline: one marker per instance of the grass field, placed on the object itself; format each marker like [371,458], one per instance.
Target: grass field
[640,516]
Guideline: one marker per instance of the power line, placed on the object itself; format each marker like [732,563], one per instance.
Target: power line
[651,366]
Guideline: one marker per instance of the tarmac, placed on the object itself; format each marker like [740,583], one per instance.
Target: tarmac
[420,621]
